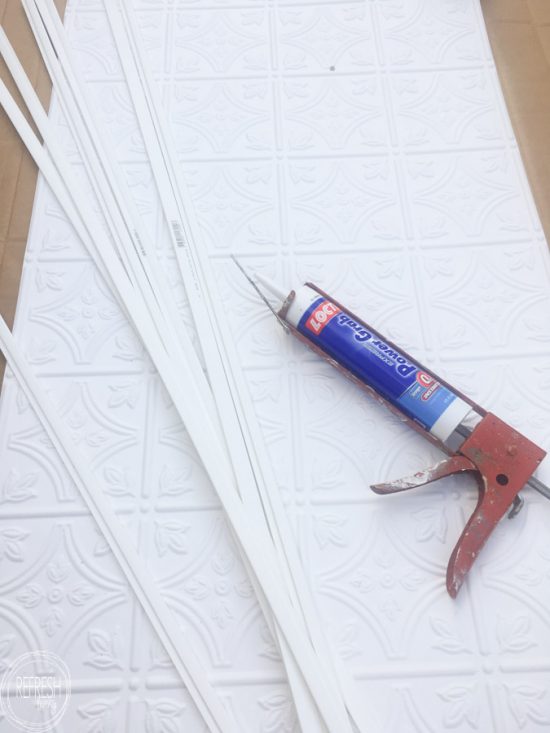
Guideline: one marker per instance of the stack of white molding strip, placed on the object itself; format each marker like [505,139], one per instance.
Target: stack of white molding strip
[365,147]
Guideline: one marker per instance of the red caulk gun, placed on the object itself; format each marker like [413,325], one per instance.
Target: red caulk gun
[502,460]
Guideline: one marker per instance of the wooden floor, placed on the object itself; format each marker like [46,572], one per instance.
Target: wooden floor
[520,35]
[519,31]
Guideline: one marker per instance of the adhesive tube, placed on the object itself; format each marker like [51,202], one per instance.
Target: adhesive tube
[352,344]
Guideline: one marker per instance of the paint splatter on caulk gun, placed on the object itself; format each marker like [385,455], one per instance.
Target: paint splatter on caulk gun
[502,460]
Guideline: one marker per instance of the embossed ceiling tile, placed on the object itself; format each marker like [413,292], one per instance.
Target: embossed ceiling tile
[484,306]
[524,704]
[165,706]
[430,34]
[238,205]
[214,41]
[120,352]
[377,578]
[483,379]
[217,118]
[114,113]
[101,416]
[519,386]
[164,709]
[460,701]
[466,197]
[334,113]
[72,316]
[74,601]
[342,461]
[514,558]
[446,109]
[154,27]
[52,238]
[325,38]
[349,203]
[274,395]
[91,709]
[204,581]
[32,477]
[268,708]
[514,570]
[343,441]
[65,139]
[143,193]
[92,47]
[78,6]
[335,38]
[527,386]
[254,650]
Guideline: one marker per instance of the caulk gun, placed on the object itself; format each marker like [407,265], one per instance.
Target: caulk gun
[502,459]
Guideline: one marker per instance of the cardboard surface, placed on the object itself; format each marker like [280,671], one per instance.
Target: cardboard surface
[17,171]
[520,37]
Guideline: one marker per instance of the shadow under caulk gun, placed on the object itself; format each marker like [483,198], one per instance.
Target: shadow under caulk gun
[502,460]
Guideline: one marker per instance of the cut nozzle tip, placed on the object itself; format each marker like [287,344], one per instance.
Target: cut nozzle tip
[273,289]
[255,277]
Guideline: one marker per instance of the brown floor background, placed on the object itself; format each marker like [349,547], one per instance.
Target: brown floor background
[17,170]
[519,31]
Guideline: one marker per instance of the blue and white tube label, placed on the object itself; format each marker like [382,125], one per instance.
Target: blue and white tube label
[398,379]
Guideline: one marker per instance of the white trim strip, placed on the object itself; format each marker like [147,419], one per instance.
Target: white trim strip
[193,676]
[132,244]
[240,462]
[180,651]
[259,554]
[243,435]
[190,407]
[216,367]
[221,359]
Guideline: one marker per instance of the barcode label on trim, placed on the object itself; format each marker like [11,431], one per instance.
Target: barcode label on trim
[178,234]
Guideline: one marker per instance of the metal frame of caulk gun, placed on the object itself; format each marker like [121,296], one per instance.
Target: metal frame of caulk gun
[462,430]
